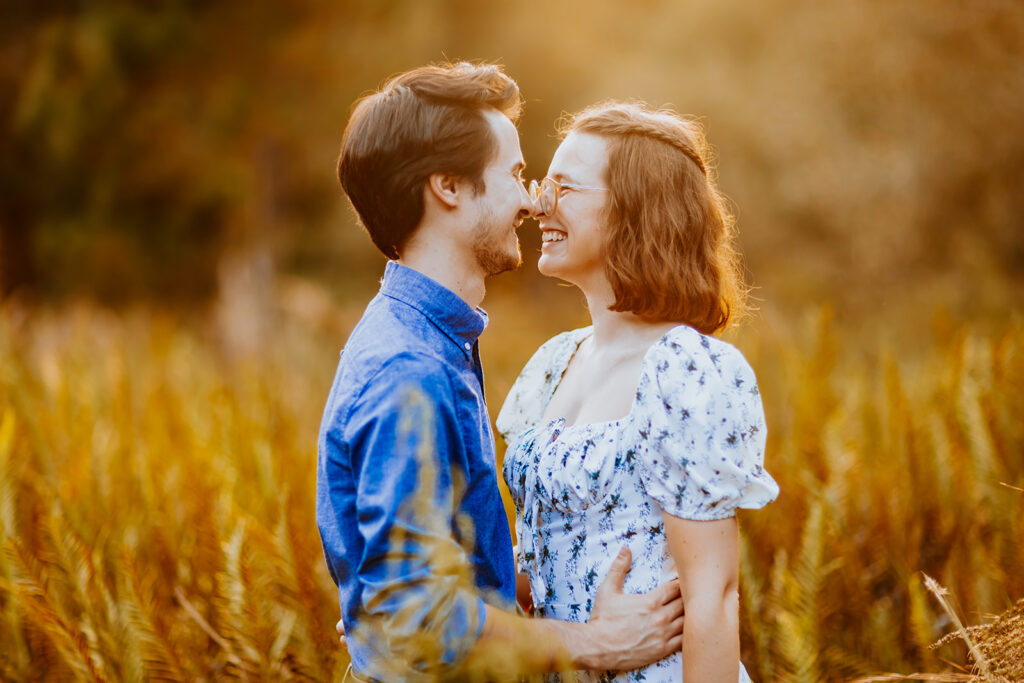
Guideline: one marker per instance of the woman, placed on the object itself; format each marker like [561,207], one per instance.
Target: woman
[640,430]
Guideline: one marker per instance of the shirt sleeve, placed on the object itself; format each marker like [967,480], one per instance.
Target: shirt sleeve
[418,593]
[699,430]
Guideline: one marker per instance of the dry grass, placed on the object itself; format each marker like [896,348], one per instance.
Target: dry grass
[997,648]
[156,501]
[156,508]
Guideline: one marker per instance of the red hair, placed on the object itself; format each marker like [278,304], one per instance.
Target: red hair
[670,239]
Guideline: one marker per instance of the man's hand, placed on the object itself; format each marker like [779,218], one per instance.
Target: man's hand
[340,628]
[634,630]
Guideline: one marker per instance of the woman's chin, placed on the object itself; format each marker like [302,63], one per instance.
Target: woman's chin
[547,266]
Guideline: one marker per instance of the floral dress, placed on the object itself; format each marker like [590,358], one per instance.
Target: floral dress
[692,445]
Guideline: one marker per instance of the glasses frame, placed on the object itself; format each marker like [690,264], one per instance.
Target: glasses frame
[538,193]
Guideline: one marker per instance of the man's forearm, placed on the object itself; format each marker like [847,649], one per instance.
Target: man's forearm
[580,643]
[625,631]
[534,645]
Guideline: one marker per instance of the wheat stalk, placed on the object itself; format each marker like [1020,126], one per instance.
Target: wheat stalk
[940,594]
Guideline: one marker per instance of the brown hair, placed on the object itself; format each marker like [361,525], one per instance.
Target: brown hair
[424,121]
[669,246]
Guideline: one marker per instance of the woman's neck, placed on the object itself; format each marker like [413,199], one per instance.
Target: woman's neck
[619,329]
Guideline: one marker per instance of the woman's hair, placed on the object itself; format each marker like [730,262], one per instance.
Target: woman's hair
[669,246]
[428,120]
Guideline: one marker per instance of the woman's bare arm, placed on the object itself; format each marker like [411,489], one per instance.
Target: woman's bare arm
[707,557]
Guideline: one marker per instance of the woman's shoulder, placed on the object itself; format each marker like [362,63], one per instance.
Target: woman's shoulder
[548,363]
[537,382]
[683,353]
[562,343]
[698,431]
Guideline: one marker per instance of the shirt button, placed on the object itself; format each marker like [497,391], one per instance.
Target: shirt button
[468,346]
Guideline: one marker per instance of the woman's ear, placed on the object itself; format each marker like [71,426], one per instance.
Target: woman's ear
[445,188]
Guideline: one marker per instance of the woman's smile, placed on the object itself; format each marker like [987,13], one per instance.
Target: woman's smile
[549,235]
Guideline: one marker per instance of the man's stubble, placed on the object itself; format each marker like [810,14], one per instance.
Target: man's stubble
[488,247]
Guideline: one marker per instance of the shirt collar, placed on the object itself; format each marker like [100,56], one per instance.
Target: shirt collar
[443,307]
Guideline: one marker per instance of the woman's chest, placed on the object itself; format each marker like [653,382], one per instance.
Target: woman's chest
[594,390]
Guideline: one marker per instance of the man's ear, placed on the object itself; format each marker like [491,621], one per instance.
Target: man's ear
[446,188]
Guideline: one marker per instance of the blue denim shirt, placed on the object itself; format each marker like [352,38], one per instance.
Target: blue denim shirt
[410,517]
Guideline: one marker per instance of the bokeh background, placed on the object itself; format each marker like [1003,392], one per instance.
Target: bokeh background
[872,149]
[178,270]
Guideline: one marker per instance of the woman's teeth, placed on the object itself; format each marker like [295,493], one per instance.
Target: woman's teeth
[552,236]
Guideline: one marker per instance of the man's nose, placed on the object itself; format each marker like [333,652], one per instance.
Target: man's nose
[527,208]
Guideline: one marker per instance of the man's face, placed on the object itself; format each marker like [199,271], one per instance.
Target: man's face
[503,205]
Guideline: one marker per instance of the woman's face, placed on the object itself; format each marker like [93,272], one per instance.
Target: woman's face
[573,236]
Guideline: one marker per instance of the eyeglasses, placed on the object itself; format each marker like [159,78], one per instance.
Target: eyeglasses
[545,194]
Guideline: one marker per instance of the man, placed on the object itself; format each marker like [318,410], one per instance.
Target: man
[408,507]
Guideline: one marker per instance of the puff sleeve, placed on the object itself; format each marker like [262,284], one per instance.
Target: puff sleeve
[698,431]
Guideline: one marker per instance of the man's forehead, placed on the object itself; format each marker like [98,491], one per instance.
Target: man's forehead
[506,134]
[501,122]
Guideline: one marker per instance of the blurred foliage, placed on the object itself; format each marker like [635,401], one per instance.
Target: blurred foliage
[157,498]
[156,502]
[873,149]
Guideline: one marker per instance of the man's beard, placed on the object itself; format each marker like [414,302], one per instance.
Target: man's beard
[488,252]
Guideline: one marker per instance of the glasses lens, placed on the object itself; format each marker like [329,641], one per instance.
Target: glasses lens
[548,196]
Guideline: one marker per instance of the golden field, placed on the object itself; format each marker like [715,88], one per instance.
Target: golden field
[157,494]
[157,468]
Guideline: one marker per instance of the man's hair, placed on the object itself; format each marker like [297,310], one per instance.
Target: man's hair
[669,243]
[428,120]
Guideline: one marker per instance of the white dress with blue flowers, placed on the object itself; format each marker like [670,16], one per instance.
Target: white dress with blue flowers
[692,445]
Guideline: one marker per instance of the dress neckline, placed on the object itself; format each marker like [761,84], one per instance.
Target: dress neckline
[561,375]
[581,426]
